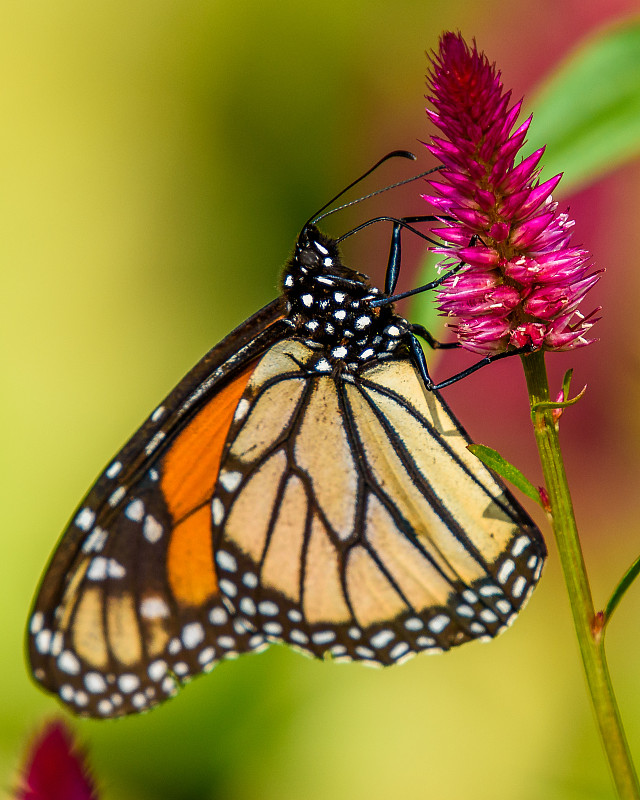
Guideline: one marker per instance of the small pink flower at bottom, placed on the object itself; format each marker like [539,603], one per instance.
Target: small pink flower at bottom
[56,769]
[522,281]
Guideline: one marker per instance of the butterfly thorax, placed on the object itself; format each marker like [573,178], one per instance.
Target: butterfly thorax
[329,305]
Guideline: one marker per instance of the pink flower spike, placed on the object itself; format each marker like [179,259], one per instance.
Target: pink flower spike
[56,768]
[522,280]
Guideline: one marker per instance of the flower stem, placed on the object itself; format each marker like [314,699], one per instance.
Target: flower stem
[589,634]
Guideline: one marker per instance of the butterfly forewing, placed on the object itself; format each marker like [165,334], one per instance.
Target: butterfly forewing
[130,605]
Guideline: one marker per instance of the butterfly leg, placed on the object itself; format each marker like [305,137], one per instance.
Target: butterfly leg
[395,258]
[421,362]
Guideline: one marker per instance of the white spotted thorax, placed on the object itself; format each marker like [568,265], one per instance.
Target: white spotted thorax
[330,307]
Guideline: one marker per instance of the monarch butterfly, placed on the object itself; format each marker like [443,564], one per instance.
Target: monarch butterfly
[300,484]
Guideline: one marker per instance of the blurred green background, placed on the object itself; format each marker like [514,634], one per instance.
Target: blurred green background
[156,162]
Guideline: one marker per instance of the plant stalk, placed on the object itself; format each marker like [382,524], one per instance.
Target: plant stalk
[589,633]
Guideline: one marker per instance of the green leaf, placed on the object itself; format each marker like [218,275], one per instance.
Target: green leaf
[566,383]
[627,579]
[492,459]
[588,111]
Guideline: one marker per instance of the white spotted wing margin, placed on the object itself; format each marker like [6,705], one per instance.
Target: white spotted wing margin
[353,522]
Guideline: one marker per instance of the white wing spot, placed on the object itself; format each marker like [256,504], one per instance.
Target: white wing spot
[362,322]
[226,561]
[227,642]
[230,480]
[135,510]
[138,700]
[43,641]
[398,650]
[294,615]
[241,409]
[250,580]
[95,683]
[37,621]
[174,646]
[113,470]
[339,297]
[229,588]
[247,606]
[57,642]
[268,608]
[217,511]
[518,586]
[414,624]
[438,624]
[425,641]
[465,611]
[381,639]
[505,571]
[154,442]
[272,628]
[117,496]
[157,414]
[503,606]
[366,354]
[531,563]
[520,544]
[323,637]
[340,314]
[488,616]
[154,608]
[157,670]
[207,656]
[365,652]
[355,633]
[66,692]
[85,519]
[298,636]
[152,530]
[192,635]
[105,707]
[128,683]
[95,541]
[307,300]
[218,616]
[489,590]
[67,662]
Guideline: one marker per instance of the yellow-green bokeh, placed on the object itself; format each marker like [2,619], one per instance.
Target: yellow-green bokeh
[156,162]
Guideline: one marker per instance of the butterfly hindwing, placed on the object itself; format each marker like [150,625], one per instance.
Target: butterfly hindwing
[358,525]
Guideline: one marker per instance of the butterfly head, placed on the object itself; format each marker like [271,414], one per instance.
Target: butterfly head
[329,304]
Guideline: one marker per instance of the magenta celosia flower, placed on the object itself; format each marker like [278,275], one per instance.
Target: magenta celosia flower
[56,770]
[523,281]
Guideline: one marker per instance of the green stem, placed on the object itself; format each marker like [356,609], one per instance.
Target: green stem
[589,633]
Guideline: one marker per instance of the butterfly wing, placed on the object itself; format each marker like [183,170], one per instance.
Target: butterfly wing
[352,520]
[129,605]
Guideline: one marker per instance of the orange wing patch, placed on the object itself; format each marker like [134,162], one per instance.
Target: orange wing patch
[189,475]
[190,560]
[191,466]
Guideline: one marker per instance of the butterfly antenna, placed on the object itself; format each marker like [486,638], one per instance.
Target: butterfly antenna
[394,154]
